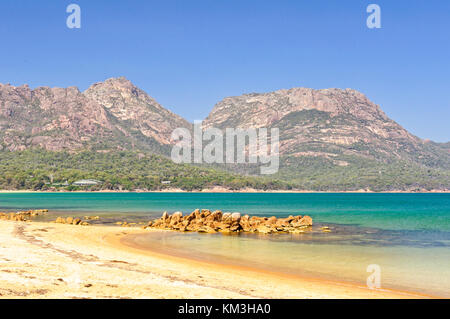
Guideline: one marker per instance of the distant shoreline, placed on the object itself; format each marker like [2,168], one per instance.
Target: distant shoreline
[224,190]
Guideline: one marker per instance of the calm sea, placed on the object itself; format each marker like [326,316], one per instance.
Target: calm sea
[406,235]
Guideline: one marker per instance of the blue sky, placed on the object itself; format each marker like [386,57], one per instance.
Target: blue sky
[189,54]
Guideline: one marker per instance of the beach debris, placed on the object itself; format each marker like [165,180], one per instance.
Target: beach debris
[206,221]
[22,216]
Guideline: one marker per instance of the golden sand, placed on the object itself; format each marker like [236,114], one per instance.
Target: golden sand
[47,260]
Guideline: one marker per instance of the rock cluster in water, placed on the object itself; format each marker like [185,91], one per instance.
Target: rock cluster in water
[22,216]
[210,222]
[71,221]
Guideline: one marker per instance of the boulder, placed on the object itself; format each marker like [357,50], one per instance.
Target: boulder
[245,223]
[190,217]
[177,215]
[215,216]
[205,213]
[175,219]
[206,229]
[264,229]
[271,221]
[289,219]
[282,222]
[226,217]
[255,221]
[196,213]
[236,216]
[306,221]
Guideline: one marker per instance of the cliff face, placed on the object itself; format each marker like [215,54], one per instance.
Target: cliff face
[110,115]
[326,124]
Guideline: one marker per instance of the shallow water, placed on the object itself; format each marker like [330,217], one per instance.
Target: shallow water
[406,263]
[407,235]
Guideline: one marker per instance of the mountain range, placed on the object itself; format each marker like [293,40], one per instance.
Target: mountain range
[330,139]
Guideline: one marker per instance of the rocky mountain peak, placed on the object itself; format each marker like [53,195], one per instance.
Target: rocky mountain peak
[260,109]
[115,92]
[322,123]
[119,83]
[127,102]
[114,113]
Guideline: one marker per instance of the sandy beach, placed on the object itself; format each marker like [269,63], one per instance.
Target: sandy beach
[47,260]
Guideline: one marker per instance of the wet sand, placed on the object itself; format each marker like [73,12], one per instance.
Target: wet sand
[47,260]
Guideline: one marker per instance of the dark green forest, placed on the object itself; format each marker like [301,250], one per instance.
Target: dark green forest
[42,170]
[45,170]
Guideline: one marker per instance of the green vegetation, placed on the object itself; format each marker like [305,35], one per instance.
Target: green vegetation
[351,173]
[44,170]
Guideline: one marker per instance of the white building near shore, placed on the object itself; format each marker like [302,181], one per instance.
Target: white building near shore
[86,182]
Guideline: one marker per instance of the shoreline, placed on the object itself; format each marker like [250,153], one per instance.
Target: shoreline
[47,260]
[219,190]
[274,275]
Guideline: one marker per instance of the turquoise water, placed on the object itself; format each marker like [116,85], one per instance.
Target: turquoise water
[407,235]
[384,211]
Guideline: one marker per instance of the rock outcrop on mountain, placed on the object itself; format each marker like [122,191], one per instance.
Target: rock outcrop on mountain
[329,124]
[128,104]
[110,115]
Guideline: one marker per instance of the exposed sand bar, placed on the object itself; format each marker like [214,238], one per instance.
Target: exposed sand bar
[46,260]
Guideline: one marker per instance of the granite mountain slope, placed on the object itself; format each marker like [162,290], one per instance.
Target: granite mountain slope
[339,138]
[326,123]
[111,115]
[330,139]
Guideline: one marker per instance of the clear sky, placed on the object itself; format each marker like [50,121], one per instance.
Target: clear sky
[189,54]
